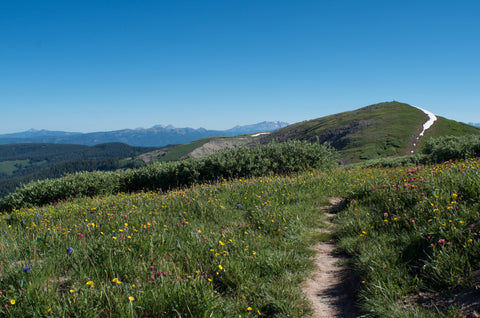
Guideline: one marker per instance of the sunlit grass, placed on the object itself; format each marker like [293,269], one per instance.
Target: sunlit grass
[412,230]
[242,247]
[209,250]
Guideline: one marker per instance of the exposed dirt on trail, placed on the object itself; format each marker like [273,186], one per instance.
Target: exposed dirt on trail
[331,288]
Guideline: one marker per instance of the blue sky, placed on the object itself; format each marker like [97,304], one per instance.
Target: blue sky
[107,65]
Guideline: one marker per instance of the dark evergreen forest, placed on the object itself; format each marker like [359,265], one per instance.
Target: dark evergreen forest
[22,163]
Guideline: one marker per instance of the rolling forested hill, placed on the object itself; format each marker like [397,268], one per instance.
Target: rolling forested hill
[21,163]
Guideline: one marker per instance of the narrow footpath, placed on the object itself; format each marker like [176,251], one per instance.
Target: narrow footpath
[331,288]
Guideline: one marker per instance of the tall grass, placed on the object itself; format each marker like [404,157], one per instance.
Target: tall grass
[235,249]
[410,231]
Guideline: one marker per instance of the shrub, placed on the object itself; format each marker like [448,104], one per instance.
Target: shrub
[451,147]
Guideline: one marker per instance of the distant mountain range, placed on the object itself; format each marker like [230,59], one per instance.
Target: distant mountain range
[157,136]
[475,124]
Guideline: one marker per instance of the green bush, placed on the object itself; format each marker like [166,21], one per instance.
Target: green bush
[242,162]
[451,147]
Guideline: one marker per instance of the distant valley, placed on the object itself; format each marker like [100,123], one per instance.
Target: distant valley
[156,136]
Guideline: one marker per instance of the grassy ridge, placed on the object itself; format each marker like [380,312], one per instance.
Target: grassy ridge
[447,127]
[379,130]
[372,132]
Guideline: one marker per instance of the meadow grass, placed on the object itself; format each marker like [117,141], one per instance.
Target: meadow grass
[242,248]
[412,230]
[238,248]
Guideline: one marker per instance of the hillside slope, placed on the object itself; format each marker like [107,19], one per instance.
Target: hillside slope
[375,131]
[21,163]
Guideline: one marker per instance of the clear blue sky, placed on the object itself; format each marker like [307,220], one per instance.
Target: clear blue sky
[105,65]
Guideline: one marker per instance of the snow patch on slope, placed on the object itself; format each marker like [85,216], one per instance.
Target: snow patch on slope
[431,120]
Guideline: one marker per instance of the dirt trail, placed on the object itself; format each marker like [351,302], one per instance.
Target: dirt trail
[331,288]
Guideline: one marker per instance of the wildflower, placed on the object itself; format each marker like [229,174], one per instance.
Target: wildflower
[80,235]
[239,205]
[69,250]
[220,267]
[12,302]
[116,280]
[27,269]
[131,298]
[90,283]
[249,309]
[72,291]
[441,241]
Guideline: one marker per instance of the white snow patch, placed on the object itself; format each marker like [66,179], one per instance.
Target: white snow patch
[431,119]
[256,135]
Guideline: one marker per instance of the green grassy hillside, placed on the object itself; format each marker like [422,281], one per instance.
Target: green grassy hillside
[447,127]
[198,148]
[376,131]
